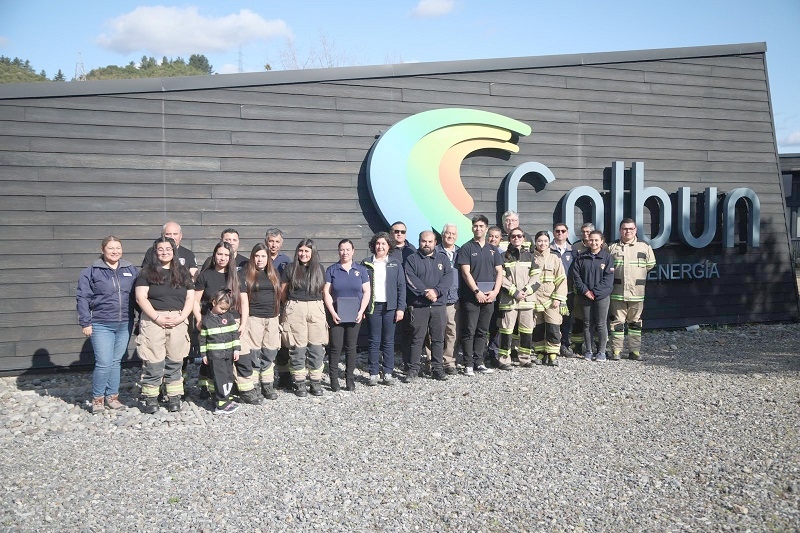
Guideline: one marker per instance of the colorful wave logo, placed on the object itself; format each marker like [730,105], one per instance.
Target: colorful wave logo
[414,170]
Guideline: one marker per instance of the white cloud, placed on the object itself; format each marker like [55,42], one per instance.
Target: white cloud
[433,8]
[171,31]
[793,139]
[228,68]
[3,41]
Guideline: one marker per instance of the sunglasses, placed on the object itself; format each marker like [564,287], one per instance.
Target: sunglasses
[560,231]
[517,236]
[400,231]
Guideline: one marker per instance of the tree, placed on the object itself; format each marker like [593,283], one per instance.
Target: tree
[200,62]
[60,76]
[18,71]
[322,55]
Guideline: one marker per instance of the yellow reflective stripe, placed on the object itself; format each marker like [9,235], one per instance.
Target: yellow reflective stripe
[222,329]
[221,345]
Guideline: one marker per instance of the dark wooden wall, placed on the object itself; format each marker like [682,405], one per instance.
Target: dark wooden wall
[76,168]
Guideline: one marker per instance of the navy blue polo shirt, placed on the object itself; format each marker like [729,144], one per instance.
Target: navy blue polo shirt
[344,283]
[482,261]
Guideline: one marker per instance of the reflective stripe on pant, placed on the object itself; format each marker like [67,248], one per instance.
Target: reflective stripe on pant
[626,315]
[578,323]
[261,342]
[162,351]
[304,332]
[547,338]
[523,319]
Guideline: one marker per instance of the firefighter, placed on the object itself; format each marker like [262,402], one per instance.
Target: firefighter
[520,282]
[549,301]
[633,259]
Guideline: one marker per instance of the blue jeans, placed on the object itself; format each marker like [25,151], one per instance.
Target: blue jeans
[110,343]
[381,339]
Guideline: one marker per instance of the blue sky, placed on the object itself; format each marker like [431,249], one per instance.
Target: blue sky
[53,35]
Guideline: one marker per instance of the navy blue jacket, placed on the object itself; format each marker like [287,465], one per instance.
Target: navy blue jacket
[594,273]
[567,258]
[427,272]
[105,294]
[452,294]
[395,284]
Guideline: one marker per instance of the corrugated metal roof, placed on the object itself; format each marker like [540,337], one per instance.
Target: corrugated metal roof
[221,81]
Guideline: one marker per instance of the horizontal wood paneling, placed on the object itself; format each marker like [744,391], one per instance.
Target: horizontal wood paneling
[74,169]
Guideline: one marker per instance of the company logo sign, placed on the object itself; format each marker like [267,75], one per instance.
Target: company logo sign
[414,173]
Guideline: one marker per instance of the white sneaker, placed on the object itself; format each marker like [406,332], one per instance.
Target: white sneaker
[373,380]
[482,369]
[468,371]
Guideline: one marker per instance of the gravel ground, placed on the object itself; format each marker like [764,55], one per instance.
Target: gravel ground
[701,436]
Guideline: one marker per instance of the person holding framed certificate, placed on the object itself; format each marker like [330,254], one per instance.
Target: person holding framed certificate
[346,294]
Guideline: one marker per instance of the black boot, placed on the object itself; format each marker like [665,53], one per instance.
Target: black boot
[268,392]
[300,388]
[250,397]
[335,382]
[350,384]
[284,380]
[316,388]
[150,405]
[174,404]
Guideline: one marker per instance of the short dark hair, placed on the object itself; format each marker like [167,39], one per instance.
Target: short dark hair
[480,218]
[398,222]
[557,224]
[380,235]
[598,232]
[627,221]
[228,230]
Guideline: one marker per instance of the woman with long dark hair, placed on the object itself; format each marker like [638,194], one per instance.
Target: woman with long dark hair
[105,312]
[548,301]
[262,337]
[165,294]
[346,295]
[219,274]
[304,330]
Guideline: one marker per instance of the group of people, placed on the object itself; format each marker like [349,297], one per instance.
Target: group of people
[502,295]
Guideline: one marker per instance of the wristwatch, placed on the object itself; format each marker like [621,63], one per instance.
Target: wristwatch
[477,291]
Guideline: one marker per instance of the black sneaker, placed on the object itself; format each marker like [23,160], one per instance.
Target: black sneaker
[439,376]
[504,366]
[450,370]
[634,356]
[410,376]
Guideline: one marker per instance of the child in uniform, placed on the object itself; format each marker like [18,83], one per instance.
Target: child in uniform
[220,347]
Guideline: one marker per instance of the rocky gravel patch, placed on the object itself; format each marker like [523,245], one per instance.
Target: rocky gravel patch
[701,436]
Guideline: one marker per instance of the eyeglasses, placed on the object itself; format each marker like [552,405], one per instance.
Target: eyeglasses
[400,231]
[560,231]
[627,229]
[517,236]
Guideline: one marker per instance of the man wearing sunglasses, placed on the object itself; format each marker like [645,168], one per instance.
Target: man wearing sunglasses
[563,249]
[402,248]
